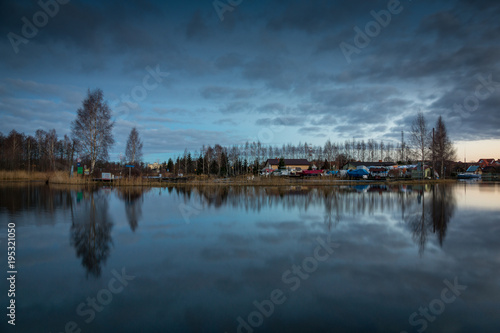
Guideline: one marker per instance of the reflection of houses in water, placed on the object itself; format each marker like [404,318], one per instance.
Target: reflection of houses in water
[405,201]
[347,199]
[91,230]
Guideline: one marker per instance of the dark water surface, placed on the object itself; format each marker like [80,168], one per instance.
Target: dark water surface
[253,259]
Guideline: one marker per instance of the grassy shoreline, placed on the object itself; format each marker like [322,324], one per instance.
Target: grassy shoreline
[62,178]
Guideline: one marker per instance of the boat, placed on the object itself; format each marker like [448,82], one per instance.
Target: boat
[467,175]
[358,173]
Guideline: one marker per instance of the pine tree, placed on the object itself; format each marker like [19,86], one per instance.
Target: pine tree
[442,148]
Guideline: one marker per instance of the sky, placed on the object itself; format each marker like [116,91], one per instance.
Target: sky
[193,73]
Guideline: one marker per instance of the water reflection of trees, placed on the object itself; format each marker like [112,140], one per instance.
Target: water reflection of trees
[426,209]
[133,199]
[431,215]
[336,202]
[34,197]
[91,230]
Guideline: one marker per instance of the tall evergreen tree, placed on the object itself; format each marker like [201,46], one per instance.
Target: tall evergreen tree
[442,147]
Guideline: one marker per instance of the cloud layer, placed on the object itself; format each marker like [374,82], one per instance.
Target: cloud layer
[266,63]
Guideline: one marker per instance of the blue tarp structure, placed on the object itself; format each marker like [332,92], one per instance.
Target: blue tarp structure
[473,168]
[361,188]
[358,173]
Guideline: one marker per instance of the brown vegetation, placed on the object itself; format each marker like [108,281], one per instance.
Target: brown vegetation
[60,177]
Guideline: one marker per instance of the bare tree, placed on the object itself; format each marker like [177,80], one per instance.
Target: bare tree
[371,149]
[403,147]
[133,151]
[14,144]
[363,150]
[93,127]
[420,138]
[382,149]
[50,144]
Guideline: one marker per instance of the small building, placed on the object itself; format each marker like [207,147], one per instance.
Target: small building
[484,162]
[475,169]
[154,166]
[379,172]
[490,169]
[416,173]
[290,163]
[266,171]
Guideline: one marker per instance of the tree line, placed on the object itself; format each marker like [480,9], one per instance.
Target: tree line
[91,139]
[218,160]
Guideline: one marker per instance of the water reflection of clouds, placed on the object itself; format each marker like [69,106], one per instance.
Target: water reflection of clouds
[207,273]
[478,196]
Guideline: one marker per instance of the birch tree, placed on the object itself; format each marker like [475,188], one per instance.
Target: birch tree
[93,127]
[133,151]
[420,138]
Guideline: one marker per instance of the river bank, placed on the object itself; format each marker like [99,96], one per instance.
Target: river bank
[63,178]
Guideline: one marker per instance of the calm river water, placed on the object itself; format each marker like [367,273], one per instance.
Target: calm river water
[253,259]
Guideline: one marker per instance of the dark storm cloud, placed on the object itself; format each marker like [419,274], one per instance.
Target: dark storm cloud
[353,95]
[281,121]
[33,88]
[444,24]
[324,120]
[165,140]
[88,24]
[318,16]
[224,121]
[279,59]
[272,107]
[359,105]
[466,112]
[311,130]
[229,61]
[272,71]
[196,28]
[216,92]
[165,111]
[236,107]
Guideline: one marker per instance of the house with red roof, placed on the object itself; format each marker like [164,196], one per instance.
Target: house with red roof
[484,162]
